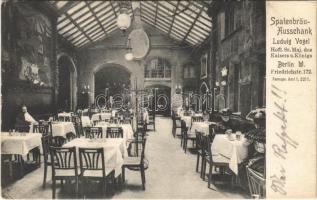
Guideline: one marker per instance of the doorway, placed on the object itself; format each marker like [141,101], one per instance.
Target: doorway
[161,101]
[67,87]
[112,86]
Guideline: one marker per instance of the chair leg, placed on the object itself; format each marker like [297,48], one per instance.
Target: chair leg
[197,163]
[54,188]
[143,178]
[209,175]
[76,187]
[203,165]
[45,174]
[123,175]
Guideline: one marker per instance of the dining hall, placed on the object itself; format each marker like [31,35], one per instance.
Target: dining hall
[133,99]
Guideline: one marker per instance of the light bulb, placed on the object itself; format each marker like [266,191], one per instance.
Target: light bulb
[129,56]
[123,21]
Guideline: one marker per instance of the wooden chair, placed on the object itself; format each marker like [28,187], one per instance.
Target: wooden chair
[176,125]
[136,163]
[44,128]
[64,167]
[93,132]
[200,152]
[256,183]
[79,129]
[197,119]
[151,121]
[214,160]
[46,143]
[22,128]
[114,132]
[58,141]
[64,119]
[92,166]
[186,136]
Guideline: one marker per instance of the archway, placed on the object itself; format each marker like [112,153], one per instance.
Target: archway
[67,87]
[112,83]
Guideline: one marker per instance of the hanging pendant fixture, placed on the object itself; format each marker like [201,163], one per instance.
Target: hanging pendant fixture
[124,19]
[129,56]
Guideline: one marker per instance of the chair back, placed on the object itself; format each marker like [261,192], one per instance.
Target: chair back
[126,120]
[64,159]
[198,140]
[64,119]
[58,141]
[79,129]
[44,128]
[206,146]
[114,132]
[197,119]
[22,128]
[93,132]
[184,128]
[46,143]
[92,159]
[256,183]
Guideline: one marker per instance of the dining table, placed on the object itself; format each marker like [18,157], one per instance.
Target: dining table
[202,127]
[102,116]
[20,143]
[114,151]
[236,150]
[126,128]
[62,128]
[85,121]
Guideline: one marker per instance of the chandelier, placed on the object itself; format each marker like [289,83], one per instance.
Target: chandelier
[124,20]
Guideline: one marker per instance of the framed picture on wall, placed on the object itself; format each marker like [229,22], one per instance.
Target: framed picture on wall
[203,66]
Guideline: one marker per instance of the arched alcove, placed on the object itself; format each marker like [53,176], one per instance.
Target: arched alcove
[67,83]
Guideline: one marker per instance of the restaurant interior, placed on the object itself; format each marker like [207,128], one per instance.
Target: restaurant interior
[133,99]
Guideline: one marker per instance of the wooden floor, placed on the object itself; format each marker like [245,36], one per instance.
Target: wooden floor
[171,174]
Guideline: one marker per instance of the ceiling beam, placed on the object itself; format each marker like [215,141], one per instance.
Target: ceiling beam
[97,19]
[194,22]
[156,8]
[174,16]
[78,27]
[113,9]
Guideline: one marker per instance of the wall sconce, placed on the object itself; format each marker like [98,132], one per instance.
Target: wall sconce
[129,56]
[223,83]
[217,84]
[224,71]
[178,89]
[85,89]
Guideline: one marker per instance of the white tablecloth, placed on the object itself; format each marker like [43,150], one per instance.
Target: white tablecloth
[236,150]
[64,114]
[187,120]
[62,128]
[19,144]
[201,127]
[85,121]
[96,117]
[114,151]
[126,128]
[146,116]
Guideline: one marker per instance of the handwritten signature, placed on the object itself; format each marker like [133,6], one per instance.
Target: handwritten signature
[281,147]
[278,182]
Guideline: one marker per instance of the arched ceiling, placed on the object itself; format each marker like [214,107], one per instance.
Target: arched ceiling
[84,22]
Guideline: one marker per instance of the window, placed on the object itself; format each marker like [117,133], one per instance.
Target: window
[189,71]
[157,68]
[229,20]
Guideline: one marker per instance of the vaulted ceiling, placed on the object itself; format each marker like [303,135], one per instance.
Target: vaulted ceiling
[84,22]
